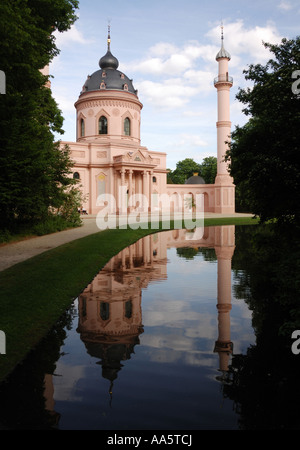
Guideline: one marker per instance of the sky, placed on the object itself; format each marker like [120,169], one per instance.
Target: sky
[168,48]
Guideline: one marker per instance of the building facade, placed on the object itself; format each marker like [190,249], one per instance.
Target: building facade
[110,161]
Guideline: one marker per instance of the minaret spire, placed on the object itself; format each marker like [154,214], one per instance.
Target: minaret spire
[108,37]
[223,53]
[108,61]
[222,34]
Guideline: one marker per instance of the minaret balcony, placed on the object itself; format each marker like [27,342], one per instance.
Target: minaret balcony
[223,79]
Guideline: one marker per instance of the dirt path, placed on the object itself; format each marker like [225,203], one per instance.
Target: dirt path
[17,252]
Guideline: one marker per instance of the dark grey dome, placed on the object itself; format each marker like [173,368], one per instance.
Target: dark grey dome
[111,79]
[108,61]
[195,179]
[108,77]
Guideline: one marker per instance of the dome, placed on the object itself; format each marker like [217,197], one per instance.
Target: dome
[108,61]
[108,77]
[223,54]
[195,179]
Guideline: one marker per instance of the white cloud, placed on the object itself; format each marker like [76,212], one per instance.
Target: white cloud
[190,140]
[171,93]
[166,59]
[188,70]
[70,37]
[241,41]
[65,103]
[285,6]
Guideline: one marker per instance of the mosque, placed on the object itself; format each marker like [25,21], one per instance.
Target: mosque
[110,159]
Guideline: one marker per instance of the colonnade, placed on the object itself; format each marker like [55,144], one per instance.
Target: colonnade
[137,185]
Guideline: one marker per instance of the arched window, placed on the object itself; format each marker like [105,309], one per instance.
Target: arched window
[127,126]
[104,310]
[128,309]
[103,125]
[76,176]
[82,128]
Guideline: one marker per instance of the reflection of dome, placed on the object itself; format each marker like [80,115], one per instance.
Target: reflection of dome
[195,179]
[111,351]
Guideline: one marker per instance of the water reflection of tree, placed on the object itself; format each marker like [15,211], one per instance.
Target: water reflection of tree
[208,254]
[22,405]
[264,383]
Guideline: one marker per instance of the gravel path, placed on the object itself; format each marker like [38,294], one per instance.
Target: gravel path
[17,252]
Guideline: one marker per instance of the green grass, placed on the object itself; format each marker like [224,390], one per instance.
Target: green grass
[35,293]
[52,224]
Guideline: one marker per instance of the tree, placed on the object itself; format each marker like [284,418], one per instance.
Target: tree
[34,171]
[184,170]
[209,169]
[264,153]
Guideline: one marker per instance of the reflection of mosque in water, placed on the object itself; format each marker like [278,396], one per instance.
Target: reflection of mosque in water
[110,311]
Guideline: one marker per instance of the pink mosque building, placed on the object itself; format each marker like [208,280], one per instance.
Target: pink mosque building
[110,159]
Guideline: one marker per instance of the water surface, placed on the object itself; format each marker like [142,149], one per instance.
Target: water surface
[149,341]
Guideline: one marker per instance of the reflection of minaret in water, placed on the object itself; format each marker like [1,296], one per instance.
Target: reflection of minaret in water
[224,248]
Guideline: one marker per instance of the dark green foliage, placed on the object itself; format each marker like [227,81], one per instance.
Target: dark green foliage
[208,169]
[264,382]
[34,172]
[184,170]
[264,153]
[187,167]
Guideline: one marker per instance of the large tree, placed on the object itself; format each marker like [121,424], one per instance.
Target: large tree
[209,169]
[34,172]
[264,153]
[187,167]
[184,170]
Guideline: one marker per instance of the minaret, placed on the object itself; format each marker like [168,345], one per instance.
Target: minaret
[225,191]
[224,248]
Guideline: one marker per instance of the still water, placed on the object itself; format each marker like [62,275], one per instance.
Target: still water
[148,342]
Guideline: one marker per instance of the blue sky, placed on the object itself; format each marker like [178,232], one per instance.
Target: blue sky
[168,48]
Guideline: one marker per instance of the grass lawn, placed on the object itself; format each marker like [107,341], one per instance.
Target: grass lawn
[35,293]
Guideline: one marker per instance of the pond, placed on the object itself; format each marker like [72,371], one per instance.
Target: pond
[147,345]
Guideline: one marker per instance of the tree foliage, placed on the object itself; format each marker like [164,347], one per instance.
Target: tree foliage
[184,170]
[187,167]
[264,153]
[208,169]
[34,171]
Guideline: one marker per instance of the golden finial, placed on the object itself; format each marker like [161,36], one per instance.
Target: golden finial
[108,37]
